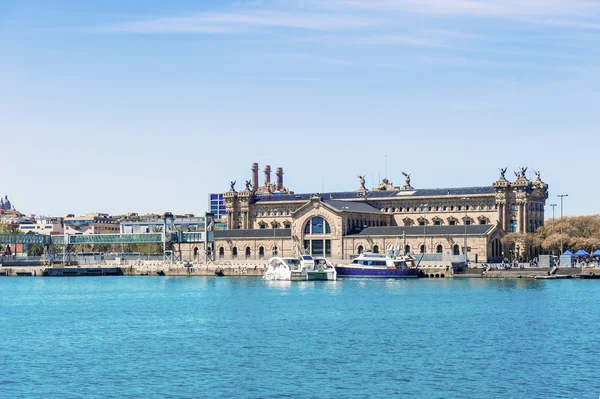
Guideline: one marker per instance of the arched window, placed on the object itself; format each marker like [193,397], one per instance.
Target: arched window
[317,246]
[221,252]
[275,251]
[287,225]
[261,252]
[375,249]
[247,252]
[317,225]
[456,249]
[195,252]
[422,249]
[360,249]
[234,252]
[439,249]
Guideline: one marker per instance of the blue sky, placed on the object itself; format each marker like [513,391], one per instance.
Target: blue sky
[147,106]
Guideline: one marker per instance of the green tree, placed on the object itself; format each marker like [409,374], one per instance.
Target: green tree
[575,232]
[9,229]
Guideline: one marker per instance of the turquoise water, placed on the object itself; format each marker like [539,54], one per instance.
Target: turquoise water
[161,337]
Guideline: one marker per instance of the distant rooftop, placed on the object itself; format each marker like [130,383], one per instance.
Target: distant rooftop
[473,229]
[346,195]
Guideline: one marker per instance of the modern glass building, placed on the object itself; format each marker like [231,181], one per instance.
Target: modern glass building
[216,205]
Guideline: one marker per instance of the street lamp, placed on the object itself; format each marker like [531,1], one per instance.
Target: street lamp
[561,219]
[553,206]
[465,199]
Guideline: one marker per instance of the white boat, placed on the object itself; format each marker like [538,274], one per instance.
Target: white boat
[300,268]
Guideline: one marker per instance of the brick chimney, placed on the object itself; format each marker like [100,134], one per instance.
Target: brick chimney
[267,175]
[279,174]
[255,176]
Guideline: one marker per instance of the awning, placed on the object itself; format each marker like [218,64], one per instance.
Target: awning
[567,253]
[581,252]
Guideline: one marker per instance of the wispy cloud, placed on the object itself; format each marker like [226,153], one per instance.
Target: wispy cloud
[244,21]
[514,8]
[319,59]
[377,39]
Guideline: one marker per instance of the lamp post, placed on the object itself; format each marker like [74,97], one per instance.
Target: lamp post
[561,219]
[553,206]
[465,199]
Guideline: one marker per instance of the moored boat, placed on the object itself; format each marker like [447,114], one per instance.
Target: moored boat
[369,264]
[301,268]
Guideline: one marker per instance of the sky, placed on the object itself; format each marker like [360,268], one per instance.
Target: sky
[148,106]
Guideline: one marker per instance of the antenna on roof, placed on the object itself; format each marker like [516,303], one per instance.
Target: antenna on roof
[385,175]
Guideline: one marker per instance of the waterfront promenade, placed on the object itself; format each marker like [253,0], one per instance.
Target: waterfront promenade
[242,268]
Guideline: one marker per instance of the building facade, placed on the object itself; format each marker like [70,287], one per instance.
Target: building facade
[42,225]
[135,224]
[91,223]
[448,221]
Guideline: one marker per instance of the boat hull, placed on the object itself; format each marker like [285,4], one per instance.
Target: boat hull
[345,271]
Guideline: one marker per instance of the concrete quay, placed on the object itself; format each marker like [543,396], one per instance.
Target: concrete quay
[517,273]
[141,268]
[226,269]
[239,268]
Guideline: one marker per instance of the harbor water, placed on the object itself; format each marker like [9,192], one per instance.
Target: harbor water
[196,337]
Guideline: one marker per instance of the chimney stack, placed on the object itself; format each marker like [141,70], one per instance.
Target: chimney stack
[254,176]
[267,175]
[279,175]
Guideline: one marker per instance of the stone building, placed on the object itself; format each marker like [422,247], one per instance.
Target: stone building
[445,221]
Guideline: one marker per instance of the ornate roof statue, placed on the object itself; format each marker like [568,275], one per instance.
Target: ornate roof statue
[520,174]
[502,173]
[232,186]
[407,186]
[248,185]
[362,187]
[362,181]
[523,170]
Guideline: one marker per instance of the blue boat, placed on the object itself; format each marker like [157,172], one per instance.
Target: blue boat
[369,264]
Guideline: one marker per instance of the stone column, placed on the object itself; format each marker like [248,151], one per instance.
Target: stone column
[229,220]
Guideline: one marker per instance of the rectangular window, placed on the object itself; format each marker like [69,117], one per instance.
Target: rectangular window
[317,247]
[452,223]
[513,226]
[307,245]
[437,223]
[327,247]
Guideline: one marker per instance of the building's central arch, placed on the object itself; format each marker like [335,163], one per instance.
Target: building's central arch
[317,237]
